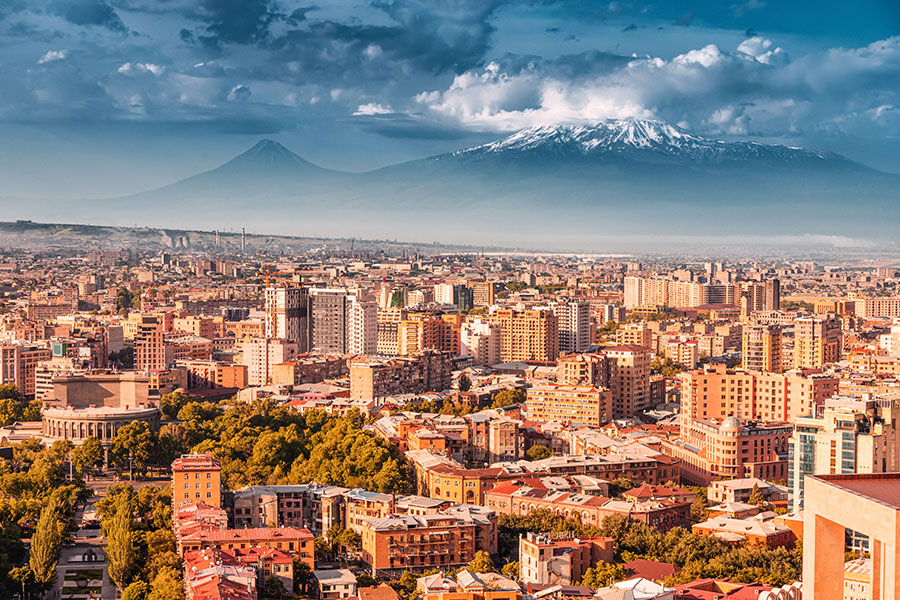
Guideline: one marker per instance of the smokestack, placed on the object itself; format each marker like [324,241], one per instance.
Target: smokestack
[242,240]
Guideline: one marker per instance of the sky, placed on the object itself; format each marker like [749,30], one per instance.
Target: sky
[102,98]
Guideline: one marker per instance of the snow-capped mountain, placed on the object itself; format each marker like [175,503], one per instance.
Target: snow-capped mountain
[637,139]
[615,176]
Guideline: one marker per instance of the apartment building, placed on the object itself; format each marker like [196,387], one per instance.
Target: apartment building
[529,335]
[716,392]
[761,348]
[480,339]
[573,324]
[710,449]
[545,559]
[377,377]
[18,366]
[635,334]
[817,341]
[590,405]
[197,479]
[399,543]
[629,379]
[848,435]
[310,368]
[261,355]
[287,315]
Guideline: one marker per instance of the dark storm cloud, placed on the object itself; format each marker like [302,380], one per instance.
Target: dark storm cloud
[90,12]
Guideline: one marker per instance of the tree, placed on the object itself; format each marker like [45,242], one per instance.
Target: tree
[8,390]
[511,570]
[302,574]
[365,580]
[538,453]
[24,577]
[508,398]
[465,384]
[88,457]
[45,547]
[603,574]
[619,485]
[167,585]
[481,563]
[120,555]
[756,496]
[139,590]
[274,587]
[32,411]
[700,509]
[10,411]
[172,403]
[134,446]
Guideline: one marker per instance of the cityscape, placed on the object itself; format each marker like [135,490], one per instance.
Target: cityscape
[467,300]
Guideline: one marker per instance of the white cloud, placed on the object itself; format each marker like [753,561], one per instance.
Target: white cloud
[156,70]
[754,90]
[373,108]
[53,55]
[239,92]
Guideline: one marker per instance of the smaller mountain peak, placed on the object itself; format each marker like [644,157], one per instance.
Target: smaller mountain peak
[270,145]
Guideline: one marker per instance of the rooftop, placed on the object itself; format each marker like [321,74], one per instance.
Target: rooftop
[880,487]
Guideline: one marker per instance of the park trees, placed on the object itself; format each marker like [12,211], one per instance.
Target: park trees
[46,544]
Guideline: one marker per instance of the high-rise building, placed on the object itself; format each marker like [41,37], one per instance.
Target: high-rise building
[388,323]
[482,293]
[527,335]
[456,294]
[342,322]
[773,295]
[287,315]
[574,322]
[18,366]
[480,339]
[761,348]
[151,353]
[261,354]
[817,341]
[635,334]
[629,379]
[849,435]
[362,330]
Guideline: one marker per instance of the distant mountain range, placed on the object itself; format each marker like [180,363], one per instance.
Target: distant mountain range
[617,177]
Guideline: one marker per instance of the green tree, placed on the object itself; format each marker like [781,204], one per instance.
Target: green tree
[511,570]
[10,411]
[32,411]
[120,554]
[88,457]
[45,547]
[365,580]
[139,590]
[756,497]
[172,403]
[134,446]
[167,585]
[508,398]
[10,391]
[603,574]
[538,452]
[24,577]
[302,574]
[700,509]
[465,384]
[481,563]
[620,485]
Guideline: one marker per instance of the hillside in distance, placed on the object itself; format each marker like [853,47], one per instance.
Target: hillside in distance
[617,177]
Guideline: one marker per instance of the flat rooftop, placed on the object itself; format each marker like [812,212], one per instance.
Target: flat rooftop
[881,487]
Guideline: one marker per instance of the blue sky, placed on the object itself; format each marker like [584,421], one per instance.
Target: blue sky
[107,97]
